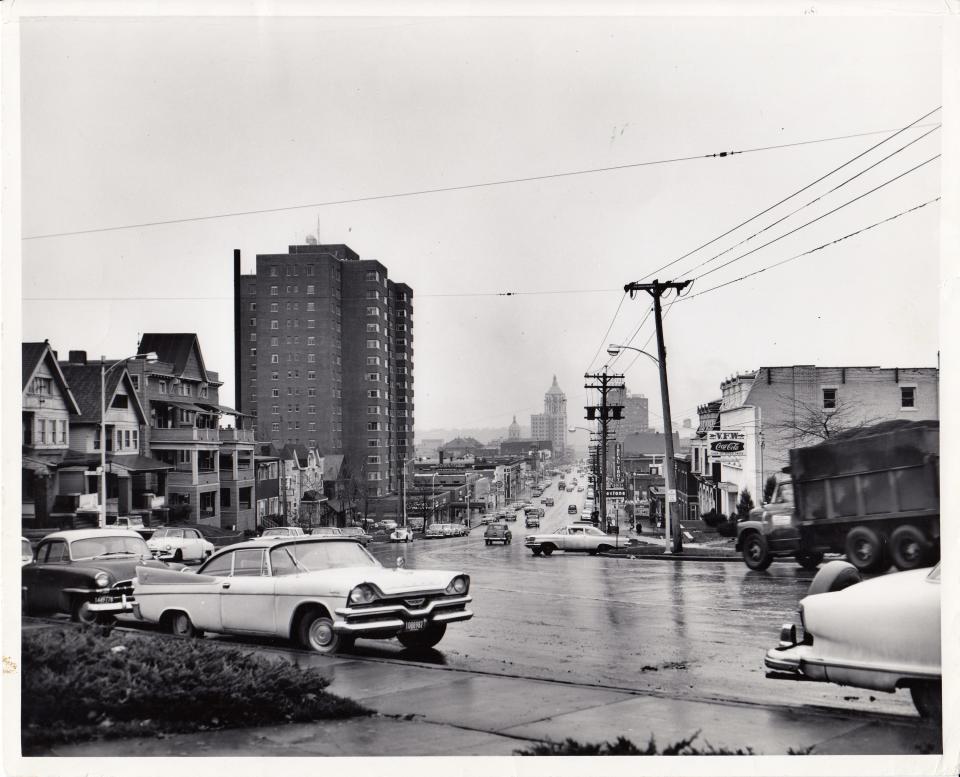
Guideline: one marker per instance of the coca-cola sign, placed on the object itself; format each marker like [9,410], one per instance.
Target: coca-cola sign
[727,447]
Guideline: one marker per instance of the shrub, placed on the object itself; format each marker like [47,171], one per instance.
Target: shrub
[623,746]
[744,505]
[727,528]
[769,487]
[713,518]
[82,683]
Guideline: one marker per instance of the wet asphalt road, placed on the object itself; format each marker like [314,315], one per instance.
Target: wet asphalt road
[694,630]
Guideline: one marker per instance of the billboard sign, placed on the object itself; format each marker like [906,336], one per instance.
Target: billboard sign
[726,447]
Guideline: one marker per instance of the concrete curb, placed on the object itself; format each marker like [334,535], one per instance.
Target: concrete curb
[661,556]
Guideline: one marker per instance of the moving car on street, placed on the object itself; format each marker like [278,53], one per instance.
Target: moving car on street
[401,534]
[572,509]
[882,634]
[497,532]
[532,521]
[322,592]
[575,538]
[179,543]
[548,501]
[86,573]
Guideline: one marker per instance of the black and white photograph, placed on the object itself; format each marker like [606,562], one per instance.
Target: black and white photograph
[476,389]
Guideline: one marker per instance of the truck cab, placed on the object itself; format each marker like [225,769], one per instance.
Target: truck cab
[773,531]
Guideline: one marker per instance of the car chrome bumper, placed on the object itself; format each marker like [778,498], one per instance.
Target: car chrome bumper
[359,620]
[126,604]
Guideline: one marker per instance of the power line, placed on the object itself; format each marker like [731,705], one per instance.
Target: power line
[818,218]
[814,250]
[791,196]
[811,202]
[445,189]
[607,334]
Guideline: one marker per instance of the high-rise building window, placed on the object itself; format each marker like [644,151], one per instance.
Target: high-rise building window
[274,324]
[310,288]
[373,394]
[311,409]
[373,328]
[311,340]
[373,343]
[311,375]
[373,376]
[373,312]
[312,427]
[311,358]
[373,275]
[373,360]
[274,376]
[310,269]
[373,410]
[253,337]
[373,443]
[373,294]
[275,427]
[275,392]
[373,459]
[311,392]
[275,409]
[253,306]
[274,307]
[274,291]
[311,306]
[274,271]
[274,358]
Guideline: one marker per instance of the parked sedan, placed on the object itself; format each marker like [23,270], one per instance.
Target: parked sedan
[434,531]
[321,592]
[326,531]
[882,634]
[86,573]
[575,538]
[180,544]
[283,531]
[356,533]
[26,551]
[401,534]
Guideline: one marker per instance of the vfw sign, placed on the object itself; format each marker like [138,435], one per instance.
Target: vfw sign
[726,447]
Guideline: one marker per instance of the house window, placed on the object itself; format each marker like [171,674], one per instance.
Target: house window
[373,376]
[274,272]
[312,426]
[253,354]
[253,306]
[373,312]
[908,397]
[127,439]
[42,429]
[203,391]
[310,269]
[373,294]
[135,379]
[311,392]
[311,358]
[253,337]
[120,402]
[136,439]
[163,386]
[829,399]
[42,386]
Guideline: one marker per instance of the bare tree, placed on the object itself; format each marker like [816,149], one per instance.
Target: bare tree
[353,486]
[808,423]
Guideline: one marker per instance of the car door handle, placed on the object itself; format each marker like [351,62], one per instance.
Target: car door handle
[225,585]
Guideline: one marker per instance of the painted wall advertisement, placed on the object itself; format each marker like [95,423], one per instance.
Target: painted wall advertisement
[726,447]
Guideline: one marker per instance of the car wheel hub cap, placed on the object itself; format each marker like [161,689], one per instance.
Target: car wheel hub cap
[321,633]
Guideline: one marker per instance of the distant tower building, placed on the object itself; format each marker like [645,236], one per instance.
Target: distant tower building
[636,415]
[551,424]
[513,431]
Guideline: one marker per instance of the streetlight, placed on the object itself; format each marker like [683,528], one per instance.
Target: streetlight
[672,544]
[150,356]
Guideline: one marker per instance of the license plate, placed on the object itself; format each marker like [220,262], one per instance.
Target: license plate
[102,599]
[418,625]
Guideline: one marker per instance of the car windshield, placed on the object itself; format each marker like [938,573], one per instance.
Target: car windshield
[98,547]
[300,557]
[166,533]
[326,531]
[26,548]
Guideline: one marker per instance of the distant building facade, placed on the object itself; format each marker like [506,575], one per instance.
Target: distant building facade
[551,424]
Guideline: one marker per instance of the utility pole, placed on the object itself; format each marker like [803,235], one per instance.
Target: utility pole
[673,537]
[603,414]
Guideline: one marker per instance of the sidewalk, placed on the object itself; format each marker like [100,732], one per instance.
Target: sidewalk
[440,711]
[652,545]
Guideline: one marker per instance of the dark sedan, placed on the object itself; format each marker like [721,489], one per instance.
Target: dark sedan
[86,573]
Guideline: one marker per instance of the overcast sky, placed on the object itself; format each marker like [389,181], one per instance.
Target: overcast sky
[130,121]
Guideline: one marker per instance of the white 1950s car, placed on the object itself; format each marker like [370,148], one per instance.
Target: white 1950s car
[881,634]
[181,543]
[320,591]
[576,537]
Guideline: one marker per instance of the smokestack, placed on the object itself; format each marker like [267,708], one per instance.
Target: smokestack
[237,313]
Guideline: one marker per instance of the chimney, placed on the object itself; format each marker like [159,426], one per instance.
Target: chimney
[78,357]
[441,455]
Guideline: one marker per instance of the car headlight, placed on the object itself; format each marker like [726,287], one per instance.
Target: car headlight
[102,579]
[168,547]
[362,594]
[459,585]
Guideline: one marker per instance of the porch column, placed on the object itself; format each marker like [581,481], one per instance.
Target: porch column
[124,495]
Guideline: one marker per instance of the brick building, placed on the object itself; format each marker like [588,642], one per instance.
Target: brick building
[326,359]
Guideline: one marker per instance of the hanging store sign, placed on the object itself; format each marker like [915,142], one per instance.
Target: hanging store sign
[726,447]
[618,462]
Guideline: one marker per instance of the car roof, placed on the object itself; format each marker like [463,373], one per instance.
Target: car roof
[272,542]
[71,535]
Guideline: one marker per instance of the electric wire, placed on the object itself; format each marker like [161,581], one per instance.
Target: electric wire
[604,339]
[808,204]
[791,196]
[446,189]
[818,218]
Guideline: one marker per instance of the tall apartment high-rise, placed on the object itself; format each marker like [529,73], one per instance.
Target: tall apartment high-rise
[326,358]
[551,424]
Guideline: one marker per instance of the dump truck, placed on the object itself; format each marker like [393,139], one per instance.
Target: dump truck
[871,493]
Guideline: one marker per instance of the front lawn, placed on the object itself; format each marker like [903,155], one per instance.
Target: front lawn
[87,683]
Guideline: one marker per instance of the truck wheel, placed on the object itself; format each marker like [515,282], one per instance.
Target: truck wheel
[834,576]
[909,549]
[756,555]
[928,699]
[865,549]
[809,560]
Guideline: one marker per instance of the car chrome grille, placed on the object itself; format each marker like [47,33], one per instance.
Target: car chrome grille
[117,592]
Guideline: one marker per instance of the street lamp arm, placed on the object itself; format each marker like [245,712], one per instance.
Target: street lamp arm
[614,350]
